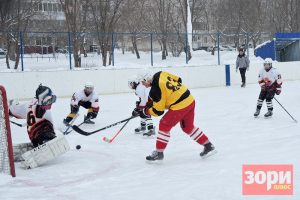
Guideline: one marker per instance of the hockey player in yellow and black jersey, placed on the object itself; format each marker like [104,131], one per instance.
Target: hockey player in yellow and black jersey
[168,93]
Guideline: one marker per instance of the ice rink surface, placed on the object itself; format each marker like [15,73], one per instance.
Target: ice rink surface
[118,170]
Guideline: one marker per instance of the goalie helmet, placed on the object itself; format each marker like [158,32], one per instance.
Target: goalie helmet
[133,83]
[268,63]
[144,75]
[45,96]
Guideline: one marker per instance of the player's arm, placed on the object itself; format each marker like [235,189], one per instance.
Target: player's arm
[93,111]
[158,101]
[278,83]
[261,81]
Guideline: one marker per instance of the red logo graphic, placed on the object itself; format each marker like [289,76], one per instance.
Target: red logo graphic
[267,179]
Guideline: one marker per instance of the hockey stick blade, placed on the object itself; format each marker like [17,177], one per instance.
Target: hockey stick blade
[105,139]
[85,133]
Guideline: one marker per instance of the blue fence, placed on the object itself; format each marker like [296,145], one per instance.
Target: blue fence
[47,50]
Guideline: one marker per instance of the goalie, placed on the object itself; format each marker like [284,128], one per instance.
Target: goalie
[44,144]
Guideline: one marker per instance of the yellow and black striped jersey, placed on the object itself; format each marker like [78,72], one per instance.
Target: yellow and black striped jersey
[167,92]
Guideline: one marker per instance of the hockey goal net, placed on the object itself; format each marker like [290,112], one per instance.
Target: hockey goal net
[6,150]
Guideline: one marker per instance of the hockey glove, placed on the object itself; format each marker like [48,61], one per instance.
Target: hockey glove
[136,112]
[278,91]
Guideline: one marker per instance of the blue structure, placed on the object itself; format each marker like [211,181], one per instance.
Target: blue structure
[266,51]
[285,47]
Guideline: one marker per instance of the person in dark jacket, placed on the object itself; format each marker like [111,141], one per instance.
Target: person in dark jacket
[242,63]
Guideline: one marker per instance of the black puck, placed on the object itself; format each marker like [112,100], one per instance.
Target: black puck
[78,147]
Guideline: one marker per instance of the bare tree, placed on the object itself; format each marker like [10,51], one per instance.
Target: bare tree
[15,16]
[76,23]
[105,17]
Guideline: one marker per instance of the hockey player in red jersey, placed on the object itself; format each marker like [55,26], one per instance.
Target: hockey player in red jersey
[270,82]
[168,93]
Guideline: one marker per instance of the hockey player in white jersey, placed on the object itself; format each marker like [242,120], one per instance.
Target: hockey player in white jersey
[270,82]
[46,146]
[86,98]
[146,128]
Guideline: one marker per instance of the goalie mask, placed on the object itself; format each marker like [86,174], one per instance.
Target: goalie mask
[45,97]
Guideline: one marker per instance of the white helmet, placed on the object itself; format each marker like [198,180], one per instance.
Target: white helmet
[268,61]
[144,75]
[89,85]
[133,83]
[268,64]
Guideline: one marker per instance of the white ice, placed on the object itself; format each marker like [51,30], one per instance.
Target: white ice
[118,171]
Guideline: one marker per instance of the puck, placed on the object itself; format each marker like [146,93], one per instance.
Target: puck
[78,147]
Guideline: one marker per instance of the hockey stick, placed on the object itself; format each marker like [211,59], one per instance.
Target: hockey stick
[286,111]
[112,139]
[70,125]
[20,125]
[82,132]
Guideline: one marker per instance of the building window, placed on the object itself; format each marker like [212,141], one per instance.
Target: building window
[55,7]
[36,7]
[205,39]
[50,7]
[40,7]
[45,6]
[59,7]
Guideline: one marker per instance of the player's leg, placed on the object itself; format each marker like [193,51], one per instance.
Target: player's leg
[92,112]
[150,128]
[187,125]
[243,76]
[269,97]
[21,148]
[167,122]
[261,98]
[142,128]
[45,152]
[69,118]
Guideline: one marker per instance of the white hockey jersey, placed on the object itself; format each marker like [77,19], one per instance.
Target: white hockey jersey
[143,93]
[20,110]
[81,96]
[28,111]
[269,77]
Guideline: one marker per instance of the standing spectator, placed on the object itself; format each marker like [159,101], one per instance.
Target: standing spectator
[242,63]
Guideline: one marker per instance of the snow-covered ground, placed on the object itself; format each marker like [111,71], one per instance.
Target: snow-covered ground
[118,170]
[127,60]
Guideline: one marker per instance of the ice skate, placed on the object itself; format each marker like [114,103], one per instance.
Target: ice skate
[88,120]
[268,114]
[256,113]
[155,156]
[149,133]
[208,150]
[140,130]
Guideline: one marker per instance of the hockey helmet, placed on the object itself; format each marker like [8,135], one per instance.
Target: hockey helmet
[45,96]
[133,83]
[144,75]
[268,63]
[88,88]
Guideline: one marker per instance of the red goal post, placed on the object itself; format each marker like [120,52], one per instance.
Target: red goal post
[6,148]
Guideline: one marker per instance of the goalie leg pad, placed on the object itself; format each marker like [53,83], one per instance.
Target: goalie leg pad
[46,152]
[21,148]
